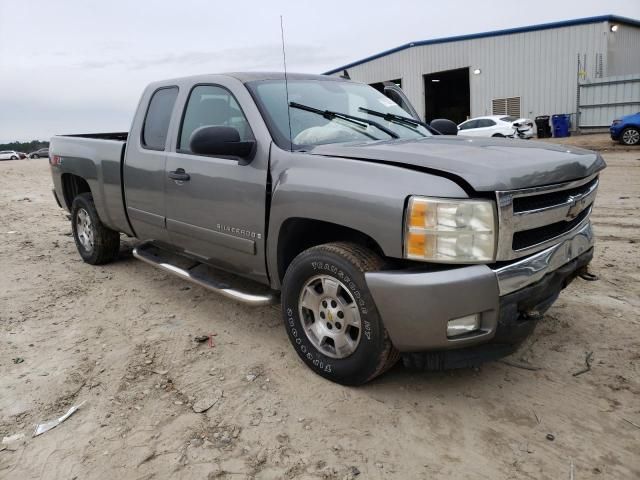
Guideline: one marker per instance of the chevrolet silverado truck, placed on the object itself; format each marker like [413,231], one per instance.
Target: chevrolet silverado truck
[380,238]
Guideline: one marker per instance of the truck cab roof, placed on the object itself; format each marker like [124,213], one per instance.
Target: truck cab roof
[246,77]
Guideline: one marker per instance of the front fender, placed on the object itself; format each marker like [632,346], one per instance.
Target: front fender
[364,196]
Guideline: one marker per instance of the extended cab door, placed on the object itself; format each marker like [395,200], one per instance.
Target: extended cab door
[218,214]
[144,168]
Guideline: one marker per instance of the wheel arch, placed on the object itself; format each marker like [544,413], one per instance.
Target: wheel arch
[297,234]
[72,186]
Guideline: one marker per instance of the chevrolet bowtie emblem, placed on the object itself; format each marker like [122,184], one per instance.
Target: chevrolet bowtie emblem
[575,208]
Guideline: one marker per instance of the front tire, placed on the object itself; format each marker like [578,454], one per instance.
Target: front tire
[497,135]
[330,316]
[630,136]
[35,156]
[96,243]
[14,157]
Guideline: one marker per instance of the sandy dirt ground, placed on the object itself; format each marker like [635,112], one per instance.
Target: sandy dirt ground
[595,141]
[121,339]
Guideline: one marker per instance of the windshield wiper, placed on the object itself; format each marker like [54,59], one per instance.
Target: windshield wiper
[389,117]
[330,115]
[398,119]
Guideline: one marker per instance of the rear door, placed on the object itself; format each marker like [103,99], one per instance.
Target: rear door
[486,127]
[469,128]
[218,215]
[144,169]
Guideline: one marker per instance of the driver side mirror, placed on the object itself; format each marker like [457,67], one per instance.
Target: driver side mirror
[220,140]
[444,126]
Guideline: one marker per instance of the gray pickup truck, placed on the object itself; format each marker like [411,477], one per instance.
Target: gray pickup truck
[380,238]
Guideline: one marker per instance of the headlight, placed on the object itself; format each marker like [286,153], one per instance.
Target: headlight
[450,231]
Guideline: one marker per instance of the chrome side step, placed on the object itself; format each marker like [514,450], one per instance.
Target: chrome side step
[202,275]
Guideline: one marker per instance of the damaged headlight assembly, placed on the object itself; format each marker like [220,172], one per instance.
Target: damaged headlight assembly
[450,230]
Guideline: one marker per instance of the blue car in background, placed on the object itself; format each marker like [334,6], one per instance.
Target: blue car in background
[626,130]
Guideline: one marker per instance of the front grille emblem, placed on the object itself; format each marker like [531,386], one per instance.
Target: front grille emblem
[575,208]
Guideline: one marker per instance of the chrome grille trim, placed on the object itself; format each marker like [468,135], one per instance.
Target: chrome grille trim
[510,222]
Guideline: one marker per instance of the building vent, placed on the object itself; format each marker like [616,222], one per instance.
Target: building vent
[506,106]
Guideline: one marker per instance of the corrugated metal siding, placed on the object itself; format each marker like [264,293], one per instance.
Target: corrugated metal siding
[539,66]
[602,100]
[624,51]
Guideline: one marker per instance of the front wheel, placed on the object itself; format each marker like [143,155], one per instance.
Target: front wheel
[630,136]
[497,135]
[13,157]
[330,316]
[96,243]
[35,156]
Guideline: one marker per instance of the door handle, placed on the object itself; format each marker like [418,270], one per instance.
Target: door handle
[179,174]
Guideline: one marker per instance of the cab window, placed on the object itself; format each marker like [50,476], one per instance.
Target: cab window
[156,122]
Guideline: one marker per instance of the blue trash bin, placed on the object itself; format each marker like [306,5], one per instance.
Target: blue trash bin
[561,124]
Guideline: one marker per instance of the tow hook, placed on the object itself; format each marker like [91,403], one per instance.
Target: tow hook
[532,315]
[585,275]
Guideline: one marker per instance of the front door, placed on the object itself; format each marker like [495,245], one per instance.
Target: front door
[218,213]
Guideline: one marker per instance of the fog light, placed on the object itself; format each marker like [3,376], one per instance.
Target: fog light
[463,325]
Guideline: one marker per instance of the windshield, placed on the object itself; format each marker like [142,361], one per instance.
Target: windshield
[309,128]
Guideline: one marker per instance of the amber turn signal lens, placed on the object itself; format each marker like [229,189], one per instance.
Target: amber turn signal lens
[416,244]
[418,213]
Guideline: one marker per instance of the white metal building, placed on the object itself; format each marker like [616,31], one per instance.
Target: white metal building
[526,71]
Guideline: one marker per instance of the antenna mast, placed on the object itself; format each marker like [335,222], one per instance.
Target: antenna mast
[286,82]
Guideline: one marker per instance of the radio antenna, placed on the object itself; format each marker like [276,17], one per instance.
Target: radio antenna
[286,82]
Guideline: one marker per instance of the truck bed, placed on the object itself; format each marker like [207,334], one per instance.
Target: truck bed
[97,158]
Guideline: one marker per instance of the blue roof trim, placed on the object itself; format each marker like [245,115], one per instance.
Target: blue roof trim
[495,33]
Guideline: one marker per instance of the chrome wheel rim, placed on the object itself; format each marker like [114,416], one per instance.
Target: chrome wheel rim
[330,316]
[631,137]
[84,230]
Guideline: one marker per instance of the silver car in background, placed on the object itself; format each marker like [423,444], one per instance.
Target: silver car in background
[41,153]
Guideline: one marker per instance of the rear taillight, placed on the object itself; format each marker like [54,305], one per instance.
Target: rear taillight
[55,160]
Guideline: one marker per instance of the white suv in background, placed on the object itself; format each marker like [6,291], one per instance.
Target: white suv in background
[497,126]
[9,155]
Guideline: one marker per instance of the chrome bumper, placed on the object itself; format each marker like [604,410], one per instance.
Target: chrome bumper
[529,270]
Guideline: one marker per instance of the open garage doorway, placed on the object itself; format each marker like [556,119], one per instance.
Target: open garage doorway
[447,95]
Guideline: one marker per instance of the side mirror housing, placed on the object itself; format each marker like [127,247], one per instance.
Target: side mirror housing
[444,126]
[220,140]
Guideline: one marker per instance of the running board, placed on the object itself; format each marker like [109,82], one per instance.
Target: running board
[205,276]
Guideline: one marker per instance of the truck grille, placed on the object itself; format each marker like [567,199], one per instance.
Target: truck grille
[528,238]
[535,218]
[522,204]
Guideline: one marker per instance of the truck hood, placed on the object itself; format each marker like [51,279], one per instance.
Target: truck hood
[486,165]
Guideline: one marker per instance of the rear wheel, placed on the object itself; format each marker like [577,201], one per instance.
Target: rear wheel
[630,136]
[330,316]
[96,243]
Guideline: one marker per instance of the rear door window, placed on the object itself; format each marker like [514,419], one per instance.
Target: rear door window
[211,105]
[156,122]
[485,122]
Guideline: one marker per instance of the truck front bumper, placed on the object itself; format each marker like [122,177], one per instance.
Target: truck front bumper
[417,305]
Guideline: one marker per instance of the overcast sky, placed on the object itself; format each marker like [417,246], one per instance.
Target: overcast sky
[73,66]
